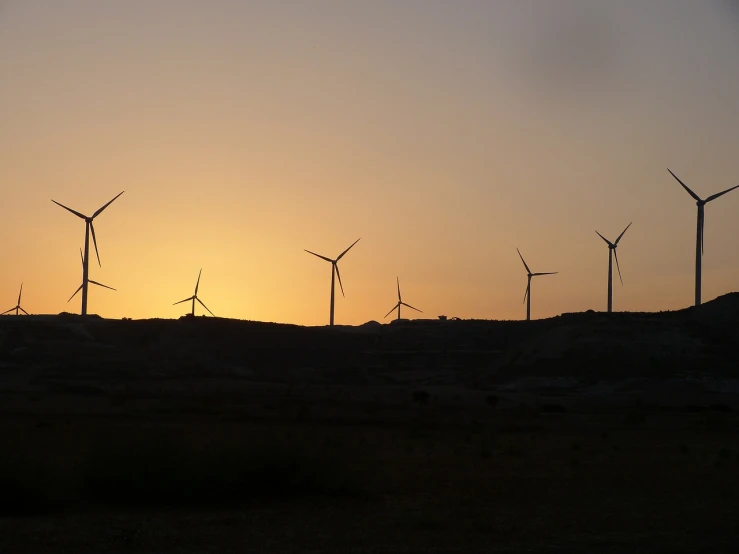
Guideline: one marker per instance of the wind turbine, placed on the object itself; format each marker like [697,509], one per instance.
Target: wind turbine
[527,295]
[89,227]
[194,297]
[81,287]
[699,235]
[17,306]
[400,303]
[611,253]
[334,273]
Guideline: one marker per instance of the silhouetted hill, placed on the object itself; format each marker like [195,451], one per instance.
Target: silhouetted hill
[576,352]
[724,310]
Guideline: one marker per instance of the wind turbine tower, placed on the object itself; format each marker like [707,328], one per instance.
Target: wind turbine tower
[699,234]
[81,287]
[611,254]
[334,273]
[194,297]
[400,303]
[527,295]
[17,306]
[89,228]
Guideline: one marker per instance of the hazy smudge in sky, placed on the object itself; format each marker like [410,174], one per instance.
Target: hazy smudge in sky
[732,5]
[569,50]
[574,44]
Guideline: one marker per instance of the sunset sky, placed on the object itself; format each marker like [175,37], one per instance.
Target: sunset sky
[444,134]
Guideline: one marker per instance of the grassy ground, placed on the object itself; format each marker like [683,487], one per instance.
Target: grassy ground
[514,480]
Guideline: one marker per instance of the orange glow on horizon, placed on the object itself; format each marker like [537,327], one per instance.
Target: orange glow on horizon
[445,137]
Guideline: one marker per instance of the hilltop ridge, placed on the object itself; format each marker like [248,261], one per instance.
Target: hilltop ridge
[572,351]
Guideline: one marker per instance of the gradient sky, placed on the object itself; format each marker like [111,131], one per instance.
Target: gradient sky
[445,134]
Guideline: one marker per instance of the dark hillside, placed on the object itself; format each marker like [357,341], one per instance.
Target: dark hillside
[580,349]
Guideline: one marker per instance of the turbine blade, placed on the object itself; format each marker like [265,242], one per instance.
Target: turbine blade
[19,294]
[97,213]
[95,242]
[690,192]
[78,214]
[24,311]
[197,284]
[409,306]
[714,196]
[392,309]
[75,294]
[347,250]
[525,294]
[615,254]
[100,284]
[524,261]
[336,267]
[397,280]
[547,273]
[204,306]
[622,233]
[82,257]
[185,300]
[322,257]
[608,242]
[11,309]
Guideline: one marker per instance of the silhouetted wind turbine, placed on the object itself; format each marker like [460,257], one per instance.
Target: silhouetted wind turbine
[699,235]
[17,306]
[527,295]
[89,227]
[81,287]
[611,253]
[194,297]
[334,273]
[400,303]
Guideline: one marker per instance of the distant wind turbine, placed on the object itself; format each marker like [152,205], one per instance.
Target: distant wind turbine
[194,297]
[81,287]
[527,295]
[400,303]
[334,273]
[611,254]
[17,306]
[89,227]
[699,235]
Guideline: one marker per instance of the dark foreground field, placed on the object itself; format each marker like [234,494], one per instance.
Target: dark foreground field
[195,436]
[527,481]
